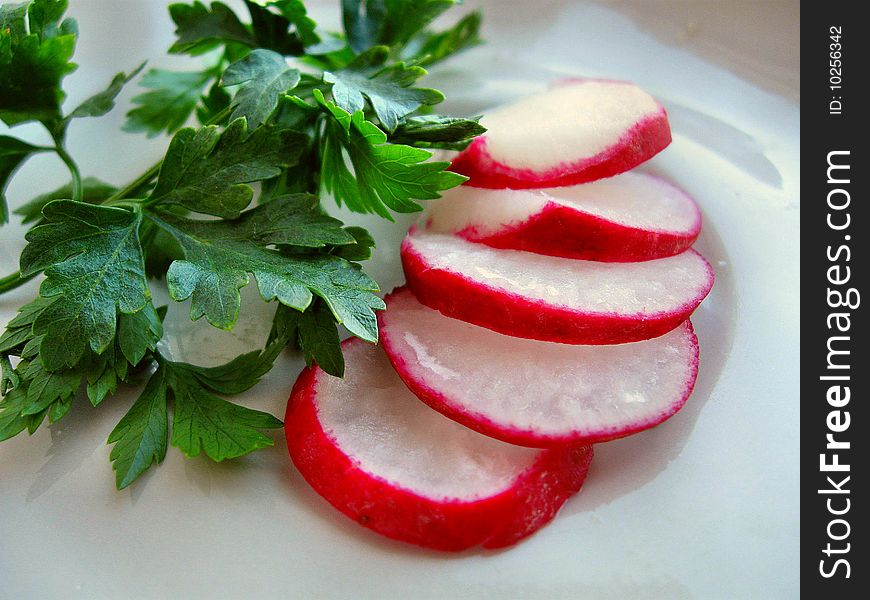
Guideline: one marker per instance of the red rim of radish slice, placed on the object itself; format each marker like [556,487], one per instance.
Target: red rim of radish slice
[429,374]
[488,302]
[530,501]
[649,134]
[593,221]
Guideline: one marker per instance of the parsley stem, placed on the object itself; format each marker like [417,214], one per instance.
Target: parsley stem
[131,188]
[77,192]
[13,280]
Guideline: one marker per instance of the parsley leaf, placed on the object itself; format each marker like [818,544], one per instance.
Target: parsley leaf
[387,88]
[45,387]
[93,263]
[218,258]
[429,48]
[170,102]
[138,333]
[32,65]
[205,423]
[140,437]
[207,172]
[388,22]
[202,421]
[315,332]
[263,76]
[12,422]
[436,131]
[272,31]
[101,103]
[44,17]
[294,220]
[93,192]
[361,249]
[200,28]
[13,152]
[385,176]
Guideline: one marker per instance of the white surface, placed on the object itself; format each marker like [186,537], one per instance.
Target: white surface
[650,287]
[571,123]
[373,418]
[550,389]
[704,506]
[632,199]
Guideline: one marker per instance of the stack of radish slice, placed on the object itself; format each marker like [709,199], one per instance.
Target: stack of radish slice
[537,320]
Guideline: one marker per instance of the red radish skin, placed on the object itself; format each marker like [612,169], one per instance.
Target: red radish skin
[633,144]
[449,524]
[478,301]
[555,224]
[540,420]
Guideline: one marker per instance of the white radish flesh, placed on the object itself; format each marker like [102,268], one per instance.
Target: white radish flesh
[553,299]
[630,217]
[382,457]
[580,131]
[537,393]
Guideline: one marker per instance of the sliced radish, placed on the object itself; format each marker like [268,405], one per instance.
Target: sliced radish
[537,393]
[392,464]
[579,131]
[553,299]
[631,217]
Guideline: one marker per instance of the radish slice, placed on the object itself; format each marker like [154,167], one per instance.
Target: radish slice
[537,393]
[580,131]
[392,464]
[553,299]
[627,218]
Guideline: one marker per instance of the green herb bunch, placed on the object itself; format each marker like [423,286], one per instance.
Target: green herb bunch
[299,111]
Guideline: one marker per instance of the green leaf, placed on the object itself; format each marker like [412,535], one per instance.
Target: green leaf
[94,191]
[32,65]
[390,22]
[160,250]
[292,220]
[13,152]
[59,409]
[436,131]
[138,333]
[101,103]
[218,258]
[294,12]
[202,421]
[14,338]
[170,102]
[141,436]
[317,337]
[45,388]
[13,19]
[102,379]
[240,374]
[12,422]
[385,176]
[272,31]
[361,249]
[388,88]
[200,28]
[263,76]
[216,101]
[207,172]
[9,377]
[44,17]
[93,264]
[429,48]
[205,423]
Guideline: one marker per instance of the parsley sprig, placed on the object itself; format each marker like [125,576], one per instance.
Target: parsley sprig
[280,103]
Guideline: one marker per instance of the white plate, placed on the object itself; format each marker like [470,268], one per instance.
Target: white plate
[704,506]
